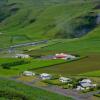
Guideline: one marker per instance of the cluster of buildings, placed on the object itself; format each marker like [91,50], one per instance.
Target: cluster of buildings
[56,56]
[46,76]
[22,56]
[64,56]
[84,84]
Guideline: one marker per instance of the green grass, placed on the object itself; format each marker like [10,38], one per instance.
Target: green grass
[50,19]
[92,73]
[82,66]
[86,45]
[33,64]
[18,91]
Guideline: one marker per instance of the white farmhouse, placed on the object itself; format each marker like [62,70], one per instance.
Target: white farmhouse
[85,84]
[22,56]
[64,80]
[45,76]
[28,73]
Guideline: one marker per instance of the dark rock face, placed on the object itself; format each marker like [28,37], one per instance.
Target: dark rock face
[97,7]
[90,22]
[80,26]
[3,7]
[98,19]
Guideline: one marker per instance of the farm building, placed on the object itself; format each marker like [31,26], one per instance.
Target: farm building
[64,80]
[28,73]
[86,84]
[45,76]
[64,56]
[22,56]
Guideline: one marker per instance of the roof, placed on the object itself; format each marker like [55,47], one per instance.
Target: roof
[64,78]
[86,81]
[45,74]
[85,84]
[62,55]
[27,72]
[22,55]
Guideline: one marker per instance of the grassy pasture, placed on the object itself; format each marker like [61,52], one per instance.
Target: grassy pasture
[92,63]
[33,64]
[92,73]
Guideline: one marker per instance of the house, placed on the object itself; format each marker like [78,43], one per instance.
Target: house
[28,73]
[64,80]
[64,56]
[22,56]
[90,85]
[45,76]
[85,84]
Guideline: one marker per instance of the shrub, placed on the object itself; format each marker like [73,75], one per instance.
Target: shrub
[11,64]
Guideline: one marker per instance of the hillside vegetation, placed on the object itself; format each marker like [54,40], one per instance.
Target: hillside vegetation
[17,91]
[29,20]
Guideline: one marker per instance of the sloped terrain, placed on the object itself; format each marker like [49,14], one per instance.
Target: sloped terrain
[25,21]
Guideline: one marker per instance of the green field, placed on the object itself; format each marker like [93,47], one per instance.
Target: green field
[92,73]
[89,46]
[33,64]
[92,63]
[17,91]
[70,26]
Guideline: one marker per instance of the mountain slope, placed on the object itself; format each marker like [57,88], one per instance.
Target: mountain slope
[29,20]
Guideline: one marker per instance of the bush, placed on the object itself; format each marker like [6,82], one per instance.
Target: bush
[11,64]
[13,95]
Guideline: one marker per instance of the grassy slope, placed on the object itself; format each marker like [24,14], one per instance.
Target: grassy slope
[92,73]
[17,28]
[89,43]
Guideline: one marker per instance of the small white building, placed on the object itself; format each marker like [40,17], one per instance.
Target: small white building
[28,73]
[22,56]
[86,84]
[65,80]
[79,88]
[45,76]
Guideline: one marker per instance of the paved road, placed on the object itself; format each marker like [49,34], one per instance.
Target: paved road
[29,44]
[66,92]
[11,48]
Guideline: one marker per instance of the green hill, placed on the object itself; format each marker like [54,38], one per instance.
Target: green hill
[29,20]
